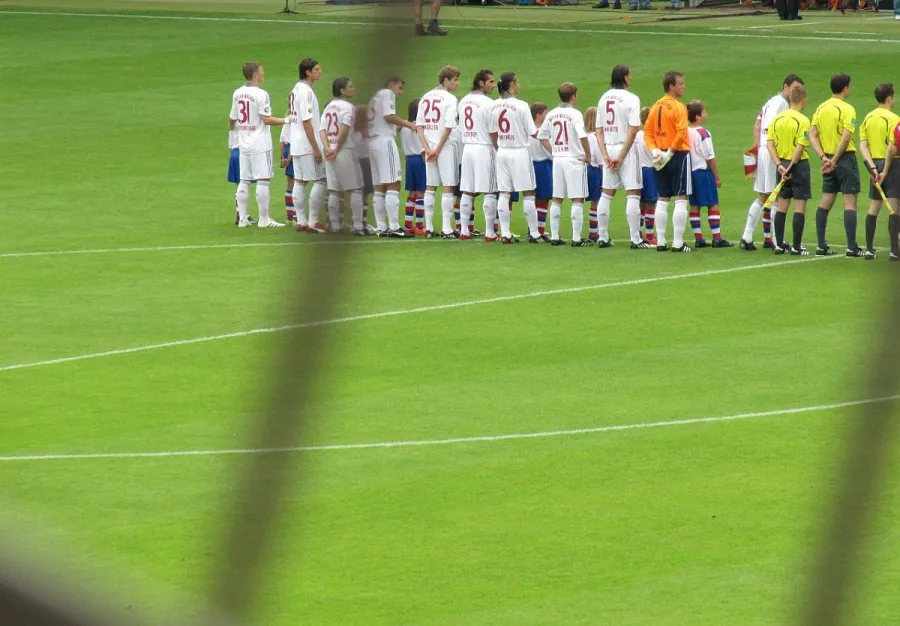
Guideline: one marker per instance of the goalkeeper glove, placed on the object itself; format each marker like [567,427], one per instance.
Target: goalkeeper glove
[664,158]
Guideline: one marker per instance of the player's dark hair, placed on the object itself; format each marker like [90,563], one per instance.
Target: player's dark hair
[798,95]
[790,79]
[339,85]
[619,73]
[412,110]
[250,68]
[506,80]
[481,76]
[670,78]
[393,80]
[883,92]
[695,109]
[839,82]
[645,113]
[537,108]
[306,66]
[567,91]
[448,72]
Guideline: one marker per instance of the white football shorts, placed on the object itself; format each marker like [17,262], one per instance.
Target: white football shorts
[628,176]
[766,173]
[256,166]
[445,172]
[515,172]
[479,169]
[307,169]
[570,178]
[385,161]
[344,173]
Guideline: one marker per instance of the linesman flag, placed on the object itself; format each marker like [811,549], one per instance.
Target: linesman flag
[750,161]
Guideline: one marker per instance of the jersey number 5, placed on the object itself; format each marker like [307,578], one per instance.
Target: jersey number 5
[610,113]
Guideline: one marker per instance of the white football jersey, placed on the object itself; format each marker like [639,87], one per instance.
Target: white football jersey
[511,120]
[304,106]
[617,111]
[339,113]
[475,118]
[438,112]
[384,103]
[643,151]
[701,147]
[596,155]
[233,141]
[285,136]
[564,128]
[775,105]
[537,151]
[248,106]
[410,143]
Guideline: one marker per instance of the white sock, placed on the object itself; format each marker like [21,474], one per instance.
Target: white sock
[356,208]
[555,212]
[334,211]
[465,212]
[429,211]
[243,199]
[603,216]
[633,215]
[447,202]
[489,206]
[577,220]
[753,216]
[528,205]
[263,196]
[503,215]
[679,222]
[661,220]
[316,200]
[299,194]
[392,208]
[378,206]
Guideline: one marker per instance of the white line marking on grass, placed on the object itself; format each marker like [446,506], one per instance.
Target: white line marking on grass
[526,29]
[768,26]
[422,309]
[452,440]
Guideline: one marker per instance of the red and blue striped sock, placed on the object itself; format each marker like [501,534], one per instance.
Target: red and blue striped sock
[767,224]
[593,223]
[695,223]
[456,213]
[649,214]
[541,206]
[289,204]
[420,213]
[410,213]
[714,219]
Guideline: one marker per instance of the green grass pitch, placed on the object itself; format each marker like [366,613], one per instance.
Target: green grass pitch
[115,139]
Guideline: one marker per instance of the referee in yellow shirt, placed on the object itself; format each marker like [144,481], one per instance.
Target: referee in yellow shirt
[831,136]
[787,143]
[874,137]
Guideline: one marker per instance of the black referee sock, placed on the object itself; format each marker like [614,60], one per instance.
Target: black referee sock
[821,226]
[871,223]
[894,232]
[850,229]
[779,228]
[799,223]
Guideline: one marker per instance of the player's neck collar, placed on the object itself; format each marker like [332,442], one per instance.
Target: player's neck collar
[565,105]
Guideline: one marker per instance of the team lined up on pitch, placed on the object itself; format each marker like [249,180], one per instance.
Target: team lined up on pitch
[505,148]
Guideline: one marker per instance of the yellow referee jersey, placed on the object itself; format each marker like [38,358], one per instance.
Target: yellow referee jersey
[831,119]
[876,130]
[788,130]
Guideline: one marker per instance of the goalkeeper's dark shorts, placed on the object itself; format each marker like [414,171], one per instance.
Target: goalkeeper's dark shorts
[675,178]
[845,177]
[798,186]
[891,184]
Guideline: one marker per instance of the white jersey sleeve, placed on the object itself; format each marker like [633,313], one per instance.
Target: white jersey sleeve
[409,142]
[384,103]
[285,136]
[775,105]
[643,151]
[701,147]
[596,156]
[232,138]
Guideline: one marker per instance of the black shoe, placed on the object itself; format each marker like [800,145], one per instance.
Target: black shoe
[722,243]
[894,257]
[475,232]
[252,220]
[826,251]
[617,5]
[870,255]
[430,234]
[640,246]
[509,240]
[603,4]
[747,246]
[769,245]
[545,238]
[782,250]
[682,248]
[701,243]
[399,234]
[557,242]
[450,235]
[662,248]
[420,31]
[582,243]
[434,29]
[382,233]
[801,251]
[538,239]
[605,244]
[852,253]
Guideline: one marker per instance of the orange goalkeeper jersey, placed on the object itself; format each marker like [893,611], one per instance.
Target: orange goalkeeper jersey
[667,126]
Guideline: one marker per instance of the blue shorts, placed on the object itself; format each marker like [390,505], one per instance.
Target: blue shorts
[415,173]
[595,182]
[704,188]
[543,175]
[675,178]
[286,154]
[649,192]
[513,197]
[234,166]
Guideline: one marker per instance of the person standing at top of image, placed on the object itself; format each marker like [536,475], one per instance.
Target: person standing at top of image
[433,27]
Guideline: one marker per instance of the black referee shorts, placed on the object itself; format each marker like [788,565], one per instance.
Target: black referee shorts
[799,185]
[891,184]
[845,177]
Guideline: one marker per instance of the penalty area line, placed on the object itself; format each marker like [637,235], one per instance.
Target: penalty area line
[410,443]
